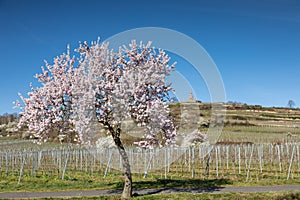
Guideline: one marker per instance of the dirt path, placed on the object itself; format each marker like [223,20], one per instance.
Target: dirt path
[23,195]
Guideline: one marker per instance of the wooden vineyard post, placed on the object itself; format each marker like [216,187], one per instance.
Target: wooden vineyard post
[189,160]
[108,164]
[234,163]
[81,158]
[34,157]
[249,164]
[271,154]
[1,163]
[22,167]
[6,163]
[169,158]
[239,157]
[260,155]
[217,169]
[65,166]
[206,172]
[298,156]
[220,150]
[166,162]
[149,163]
[279,159]
[12,161]
[287,149]
[40,153]
[120,165]
[193,161]
[291,163]
[60,162]
[93,161]
[227,156]
[86,160]
[245,151]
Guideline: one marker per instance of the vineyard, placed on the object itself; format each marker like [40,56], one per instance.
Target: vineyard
[257,146]
[245,162]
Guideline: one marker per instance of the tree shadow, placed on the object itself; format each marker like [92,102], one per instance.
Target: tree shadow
[175,185]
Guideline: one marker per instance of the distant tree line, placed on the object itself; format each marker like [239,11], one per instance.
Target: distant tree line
[6,118]
[235,102]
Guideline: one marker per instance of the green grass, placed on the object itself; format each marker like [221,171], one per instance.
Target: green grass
[204,196]
[227,196]
[85,182]
[81,181]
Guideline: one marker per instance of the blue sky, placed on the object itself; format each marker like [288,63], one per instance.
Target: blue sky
[255,44]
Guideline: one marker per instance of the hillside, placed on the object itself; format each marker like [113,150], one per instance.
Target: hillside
[250,123]
[243,123]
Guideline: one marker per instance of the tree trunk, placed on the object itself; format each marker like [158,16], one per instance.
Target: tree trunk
[127,191]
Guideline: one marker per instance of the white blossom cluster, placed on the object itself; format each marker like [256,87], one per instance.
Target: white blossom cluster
[49,107]
[106,87]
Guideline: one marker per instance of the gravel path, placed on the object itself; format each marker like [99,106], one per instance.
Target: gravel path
[25,195]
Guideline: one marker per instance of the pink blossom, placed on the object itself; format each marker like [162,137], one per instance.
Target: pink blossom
[106,87]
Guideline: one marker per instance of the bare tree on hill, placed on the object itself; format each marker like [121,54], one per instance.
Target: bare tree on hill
[291,104]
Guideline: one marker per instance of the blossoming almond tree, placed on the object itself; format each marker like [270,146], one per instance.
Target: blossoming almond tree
[107,87]
[128,84]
